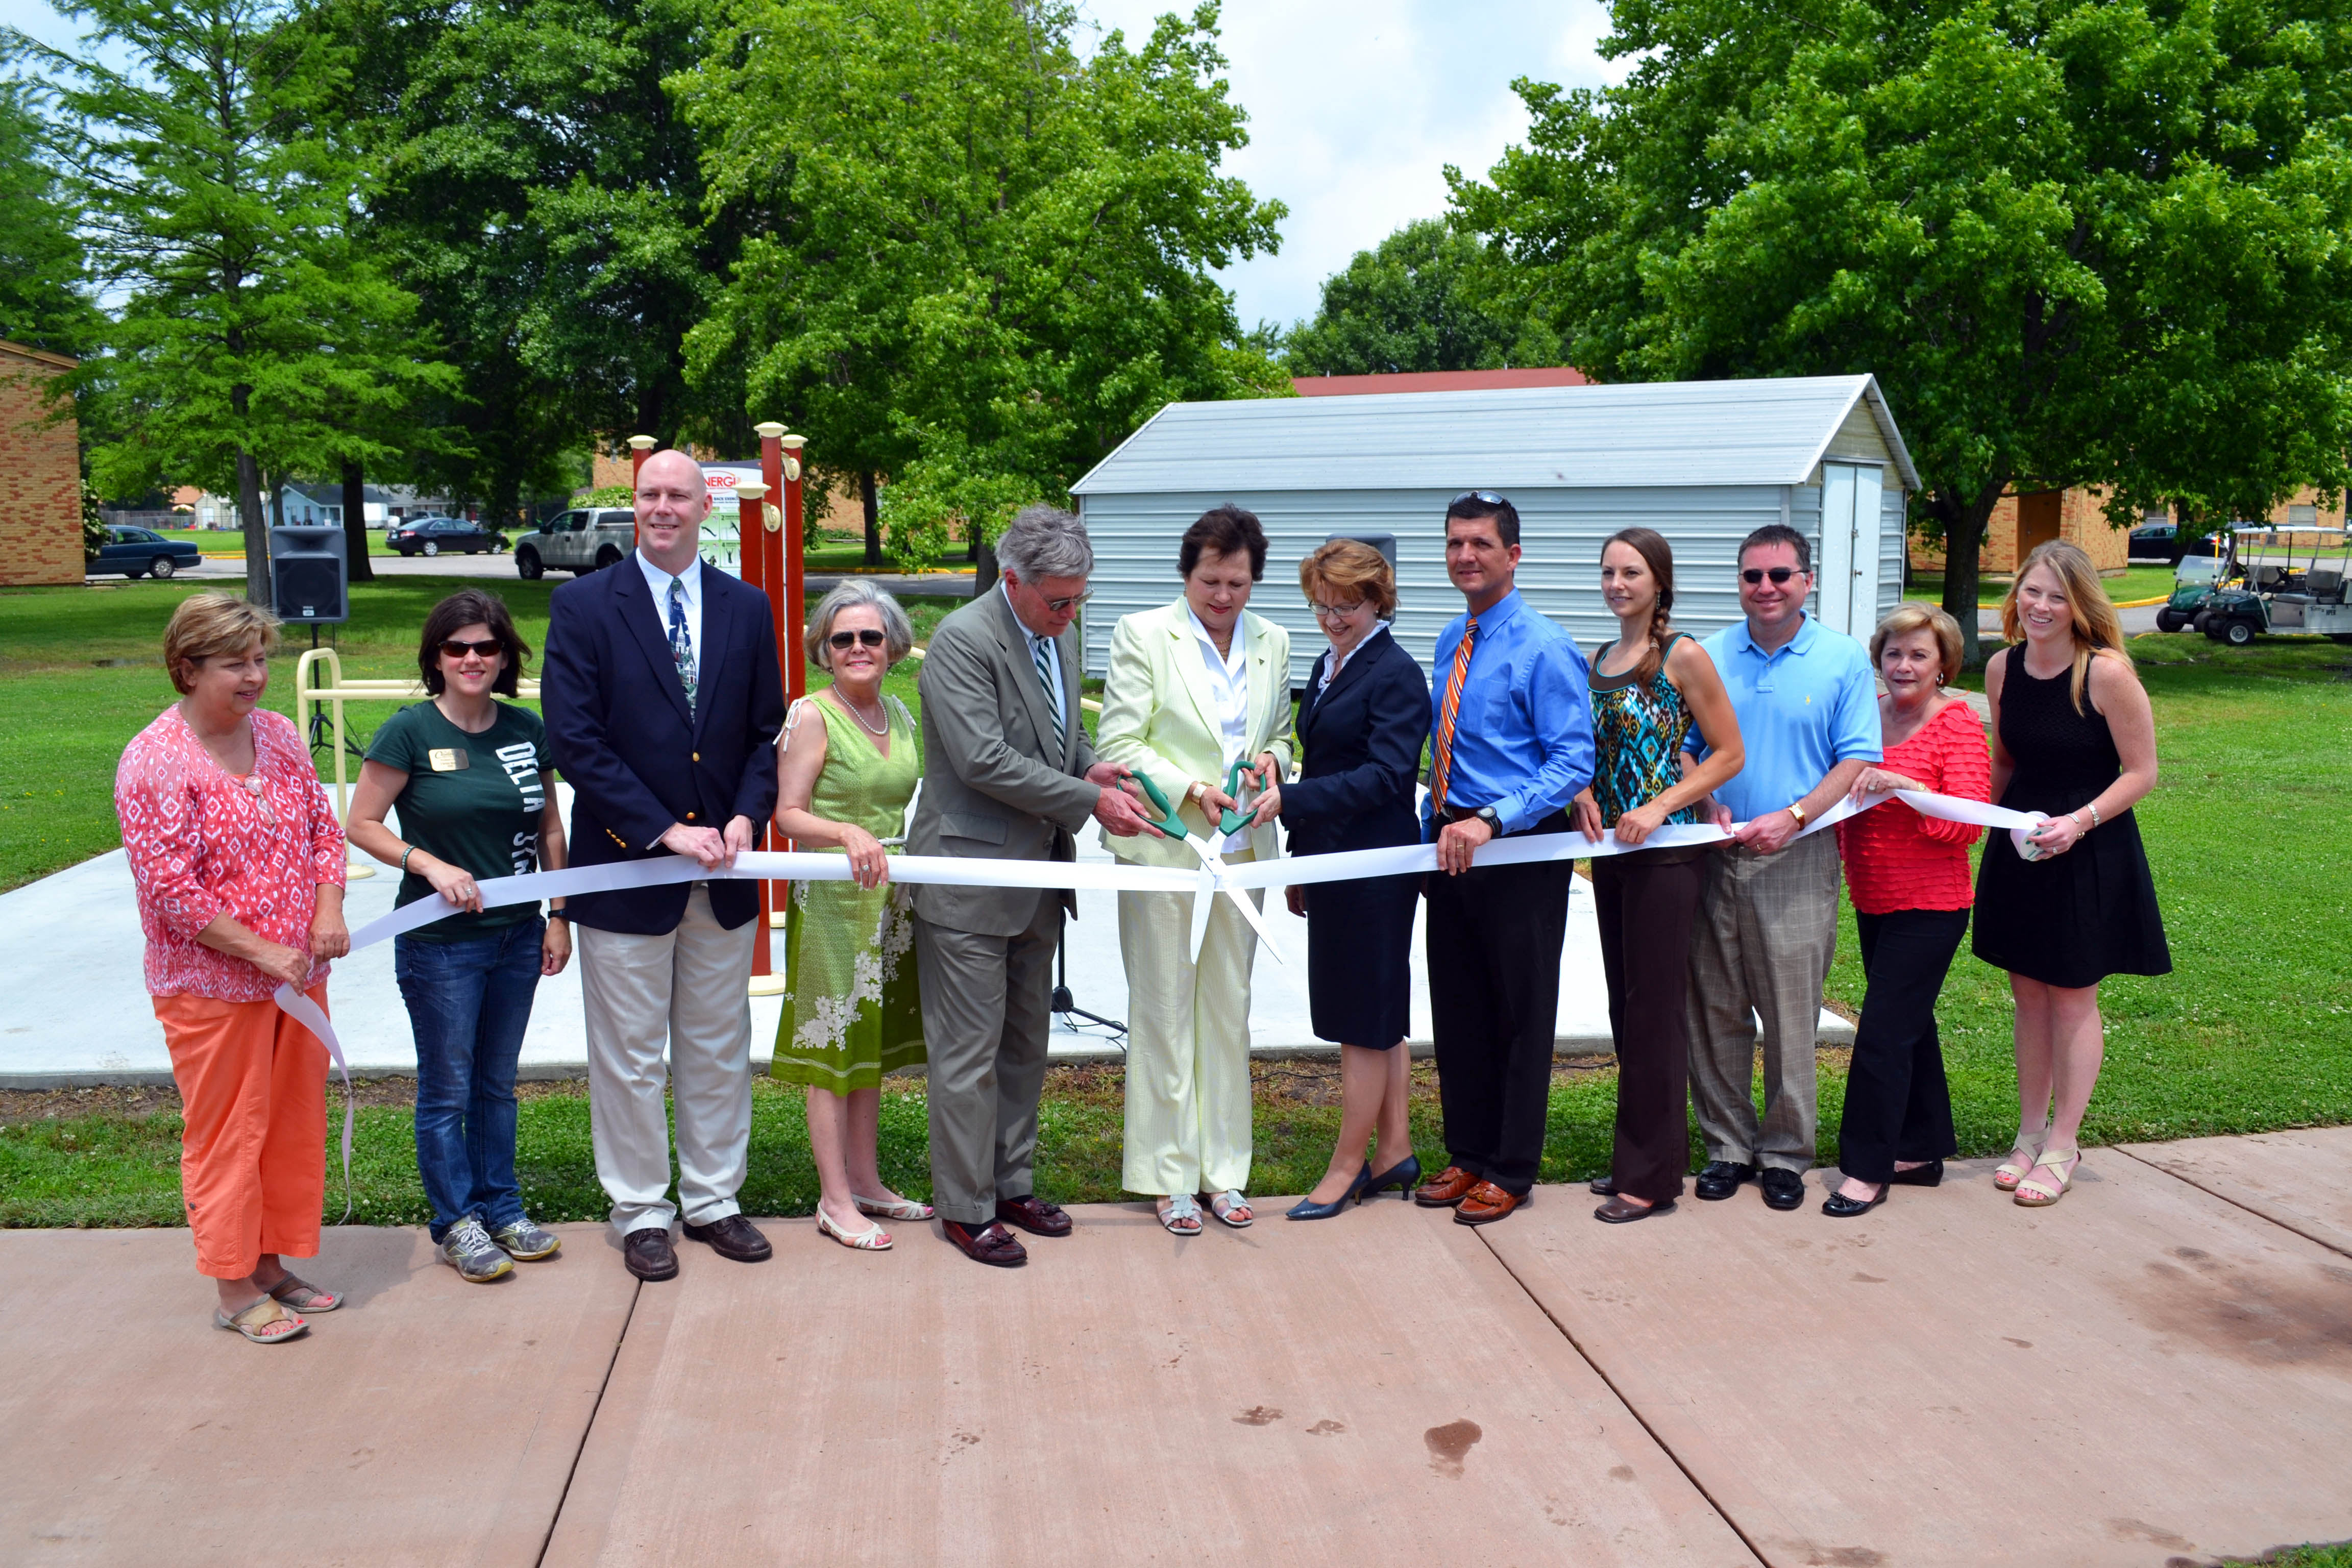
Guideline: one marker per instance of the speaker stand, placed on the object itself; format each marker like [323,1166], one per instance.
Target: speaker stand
[1064,1005]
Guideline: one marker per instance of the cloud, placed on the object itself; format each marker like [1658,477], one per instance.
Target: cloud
[1355,108]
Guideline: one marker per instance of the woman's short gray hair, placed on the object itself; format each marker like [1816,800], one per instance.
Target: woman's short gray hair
[1046,541]
[898,631]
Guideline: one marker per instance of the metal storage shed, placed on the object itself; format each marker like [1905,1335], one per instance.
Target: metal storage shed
[1702,461]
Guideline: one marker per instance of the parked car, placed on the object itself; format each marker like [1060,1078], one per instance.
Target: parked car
[441,535]
[2155,542]
[142,552]
[588,538]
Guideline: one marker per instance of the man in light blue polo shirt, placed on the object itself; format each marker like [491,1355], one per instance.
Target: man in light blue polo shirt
[1808,711]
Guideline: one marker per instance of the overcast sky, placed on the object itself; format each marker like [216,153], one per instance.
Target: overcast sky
[1355,108]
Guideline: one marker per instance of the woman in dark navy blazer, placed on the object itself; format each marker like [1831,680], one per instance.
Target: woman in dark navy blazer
[1360,725]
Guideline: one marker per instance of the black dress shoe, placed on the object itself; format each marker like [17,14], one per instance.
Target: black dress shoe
[989,1244]
[1602,1186]
[649,1254]
[1837,1206]
[1721,1179]
[1930,1174]
[734,1237]
[1782,1189]
[1034,1214]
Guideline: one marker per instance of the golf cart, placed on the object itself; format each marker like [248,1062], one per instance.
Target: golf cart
[2194,579]
[2281,580]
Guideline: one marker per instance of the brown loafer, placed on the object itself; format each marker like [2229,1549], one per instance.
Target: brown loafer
[1487,1202]
[1445,1189]
[734,1236]
[649,1254]
[1034,1214]
[1617,1211]
[989,1244]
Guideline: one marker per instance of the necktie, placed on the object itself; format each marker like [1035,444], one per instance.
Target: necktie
[681,640]
[1042,651]
[1441,763]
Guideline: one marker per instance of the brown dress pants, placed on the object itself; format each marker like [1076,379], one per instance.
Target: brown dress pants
[1646,904]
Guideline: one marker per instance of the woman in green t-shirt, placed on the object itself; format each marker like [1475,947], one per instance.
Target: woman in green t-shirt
[468,776]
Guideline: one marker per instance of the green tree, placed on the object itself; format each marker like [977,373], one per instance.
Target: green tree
[544,200]
[2078,243]
[44,298]
[1426,299]
[219,199]
[964,244]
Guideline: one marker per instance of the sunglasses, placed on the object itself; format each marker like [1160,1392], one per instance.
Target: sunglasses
[870,637]
[488,647]
[1483,497]
[1777,573]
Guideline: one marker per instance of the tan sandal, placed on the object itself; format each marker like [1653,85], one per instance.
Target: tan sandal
[2012,1170]
[305,1297]
[2033,1195]
[873,1238]
[262,1315]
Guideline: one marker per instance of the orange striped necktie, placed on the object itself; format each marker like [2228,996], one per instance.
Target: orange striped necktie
[1443,764]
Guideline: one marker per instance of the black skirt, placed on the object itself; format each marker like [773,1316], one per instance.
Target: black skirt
[1359,960]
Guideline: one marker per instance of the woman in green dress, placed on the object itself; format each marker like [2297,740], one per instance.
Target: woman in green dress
[852,1013]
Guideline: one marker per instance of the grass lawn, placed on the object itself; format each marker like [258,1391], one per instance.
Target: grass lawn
[2251,1032]
[2136,583]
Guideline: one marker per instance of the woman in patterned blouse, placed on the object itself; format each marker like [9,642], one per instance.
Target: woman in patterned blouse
[1648,688]
[239,863]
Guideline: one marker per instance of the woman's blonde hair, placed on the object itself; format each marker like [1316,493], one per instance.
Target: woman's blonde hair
[1908,618]
[1351,566]
[206,625]
[2097,629]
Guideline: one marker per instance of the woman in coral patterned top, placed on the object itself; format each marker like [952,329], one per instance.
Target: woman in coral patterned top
[240,868]
[1908,876]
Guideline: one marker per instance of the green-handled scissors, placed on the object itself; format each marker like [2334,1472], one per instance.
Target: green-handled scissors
[1235,815]
[1169,823]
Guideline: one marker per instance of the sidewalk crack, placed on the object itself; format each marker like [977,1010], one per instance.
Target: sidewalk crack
[555,1515]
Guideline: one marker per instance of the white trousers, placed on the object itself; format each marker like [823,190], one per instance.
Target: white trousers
[687,989]
[1188,1063]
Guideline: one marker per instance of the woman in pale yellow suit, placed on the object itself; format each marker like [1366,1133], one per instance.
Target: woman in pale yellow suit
[1193,689]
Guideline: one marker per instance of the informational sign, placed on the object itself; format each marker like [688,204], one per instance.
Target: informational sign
[718,530]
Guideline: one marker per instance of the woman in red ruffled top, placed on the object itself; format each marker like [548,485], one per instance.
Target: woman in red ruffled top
[1909,878]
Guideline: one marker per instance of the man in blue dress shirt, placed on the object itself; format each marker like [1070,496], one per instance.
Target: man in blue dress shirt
[1808,709]
[1511,746]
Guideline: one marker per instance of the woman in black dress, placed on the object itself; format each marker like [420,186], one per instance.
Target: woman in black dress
[2072,737]
[1361,725]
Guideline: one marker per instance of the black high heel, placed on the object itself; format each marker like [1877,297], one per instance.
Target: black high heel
[1404,1176]
[1307,1208]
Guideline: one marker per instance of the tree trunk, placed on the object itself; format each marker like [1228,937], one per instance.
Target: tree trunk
[984,571]
[355,526]
[257,532]
[873,504]
[1964,531]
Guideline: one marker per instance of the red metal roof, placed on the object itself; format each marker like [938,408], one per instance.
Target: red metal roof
[1437,381]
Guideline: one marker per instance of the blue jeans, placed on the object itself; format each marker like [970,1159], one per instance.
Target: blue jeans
[468,1003]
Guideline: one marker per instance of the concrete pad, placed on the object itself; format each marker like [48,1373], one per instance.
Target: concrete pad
[2300,1180]
[1369,1389]
[2142,1375]
[428,1421]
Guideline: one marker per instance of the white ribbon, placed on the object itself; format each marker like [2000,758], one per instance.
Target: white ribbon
[1215,876]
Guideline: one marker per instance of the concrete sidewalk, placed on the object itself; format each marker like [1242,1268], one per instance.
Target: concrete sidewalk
[2152,1375]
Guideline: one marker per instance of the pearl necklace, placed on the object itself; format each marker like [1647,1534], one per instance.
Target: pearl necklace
[882,728]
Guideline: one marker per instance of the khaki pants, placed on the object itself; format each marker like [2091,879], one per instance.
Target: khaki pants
[1767,931]
[1188,1046]
[686,989]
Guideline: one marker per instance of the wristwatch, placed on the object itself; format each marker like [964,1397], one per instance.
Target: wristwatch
[1493,822]
[1797,810]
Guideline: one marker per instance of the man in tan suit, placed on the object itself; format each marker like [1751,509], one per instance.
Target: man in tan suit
[1009,773]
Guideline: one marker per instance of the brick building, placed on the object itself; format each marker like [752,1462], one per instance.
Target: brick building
[40,473]
[2019,522]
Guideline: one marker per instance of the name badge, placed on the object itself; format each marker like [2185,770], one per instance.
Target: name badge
[450,759]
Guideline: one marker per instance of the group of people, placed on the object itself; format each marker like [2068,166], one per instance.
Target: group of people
[664,711]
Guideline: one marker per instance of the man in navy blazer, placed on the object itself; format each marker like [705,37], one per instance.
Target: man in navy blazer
[663,698]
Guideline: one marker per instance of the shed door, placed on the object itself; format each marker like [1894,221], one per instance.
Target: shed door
[1848,584]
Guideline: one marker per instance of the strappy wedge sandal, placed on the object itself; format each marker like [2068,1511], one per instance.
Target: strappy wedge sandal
[2012,1170]
[873,1238]
[891,1208]
[1181,1216]
[1232,1208]
[305,1297]
[263,1314]
[2038,1194]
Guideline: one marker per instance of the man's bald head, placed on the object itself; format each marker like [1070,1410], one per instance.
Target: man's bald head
[672,501]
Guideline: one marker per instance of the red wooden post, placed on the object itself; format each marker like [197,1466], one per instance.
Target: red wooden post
[752,561]
[794,607]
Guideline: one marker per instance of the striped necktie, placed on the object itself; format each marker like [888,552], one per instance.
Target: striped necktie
[1042,651]
[1442,761]
[681,640]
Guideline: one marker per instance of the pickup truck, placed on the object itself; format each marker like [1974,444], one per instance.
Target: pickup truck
[587,538]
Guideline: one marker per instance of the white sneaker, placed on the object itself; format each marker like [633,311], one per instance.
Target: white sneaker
[468,1250]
